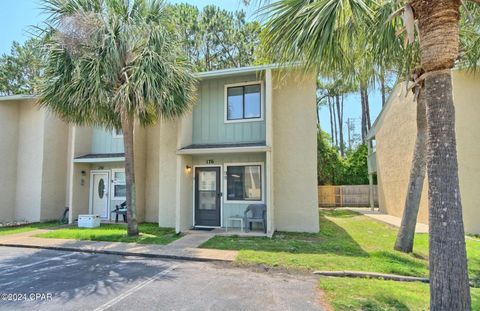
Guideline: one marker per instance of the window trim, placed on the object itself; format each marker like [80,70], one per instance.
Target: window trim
[262,176]
[113,184]
[225,102]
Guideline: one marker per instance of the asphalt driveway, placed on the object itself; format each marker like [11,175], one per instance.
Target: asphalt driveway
[55,280]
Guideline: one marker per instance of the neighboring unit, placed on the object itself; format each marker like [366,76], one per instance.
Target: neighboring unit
[33,150]
[249,139]
[393,135]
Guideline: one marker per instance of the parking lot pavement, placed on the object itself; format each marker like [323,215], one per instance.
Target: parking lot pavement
[54,280]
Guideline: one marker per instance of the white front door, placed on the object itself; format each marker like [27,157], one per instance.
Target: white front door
[99,194]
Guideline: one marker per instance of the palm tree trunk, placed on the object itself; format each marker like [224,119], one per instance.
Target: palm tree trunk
[382,87]
[449,284]
[128,142]
[406,233]
[318,117]
[340,124]
[366,122]
[438,22]
[331,120]
[367,111]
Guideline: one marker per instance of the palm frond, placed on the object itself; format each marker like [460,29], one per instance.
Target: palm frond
[129,62]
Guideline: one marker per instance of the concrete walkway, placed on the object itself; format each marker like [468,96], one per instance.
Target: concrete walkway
[389,219]
[183,248]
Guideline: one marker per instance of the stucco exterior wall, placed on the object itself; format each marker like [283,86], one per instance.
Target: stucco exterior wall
[140,156]
[466,94]
[167,174]
[295,152]
[29,162]
[80,190]
[80,183]
[8,150]
[184,194]
[152,173]
[395,139]
[395,142]
[54,163]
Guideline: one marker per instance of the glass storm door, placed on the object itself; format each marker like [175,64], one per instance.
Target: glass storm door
[99,194]
[207,196]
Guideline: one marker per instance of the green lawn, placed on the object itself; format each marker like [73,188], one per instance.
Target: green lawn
[26,228]
[347,241]
[372,295]
[150,233]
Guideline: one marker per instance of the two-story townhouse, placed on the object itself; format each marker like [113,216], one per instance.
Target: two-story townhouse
[250,138]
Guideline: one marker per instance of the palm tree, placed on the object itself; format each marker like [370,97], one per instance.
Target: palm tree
[391,52]
[317,32]
[114,64]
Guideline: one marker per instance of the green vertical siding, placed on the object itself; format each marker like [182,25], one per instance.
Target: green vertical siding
[103,142]
[208,115]
[232,209]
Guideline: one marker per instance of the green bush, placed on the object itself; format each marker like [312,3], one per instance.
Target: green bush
[335,170]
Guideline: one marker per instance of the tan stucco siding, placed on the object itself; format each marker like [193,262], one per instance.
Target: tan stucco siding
[80,189]
[184,194]
[54,168]
[466,93]
[8,152]
[395,142]
[167,174]
[295,153]
[152,174]
[29,162]
[140,156]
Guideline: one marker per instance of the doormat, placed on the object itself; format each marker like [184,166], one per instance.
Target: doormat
[203,229]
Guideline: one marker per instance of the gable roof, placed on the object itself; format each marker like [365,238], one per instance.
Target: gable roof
[397,91]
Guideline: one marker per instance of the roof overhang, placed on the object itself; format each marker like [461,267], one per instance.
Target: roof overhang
[239,71]
[17,97]
[100,158]
[223,149]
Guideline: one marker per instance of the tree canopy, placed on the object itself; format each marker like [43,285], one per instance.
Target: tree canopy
[20,69]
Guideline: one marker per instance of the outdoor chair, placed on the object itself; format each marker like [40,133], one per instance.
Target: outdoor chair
[256,213]
[121,210]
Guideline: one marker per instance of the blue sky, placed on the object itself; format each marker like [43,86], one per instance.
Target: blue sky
[17,16]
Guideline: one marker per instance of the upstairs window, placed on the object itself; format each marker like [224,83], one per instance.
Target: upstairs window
[244,102]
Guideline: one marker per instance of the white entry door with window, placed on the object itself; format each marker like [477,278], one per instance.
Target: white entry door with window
[99,193]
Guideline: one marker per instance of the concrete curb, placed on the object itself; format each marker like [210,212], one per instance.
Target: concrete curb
[376,275]
[372,275]
[107,252]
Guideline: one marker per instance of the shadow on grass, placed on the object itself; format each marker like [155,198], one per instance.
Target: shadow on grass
[28,227]
[338,213]
[382,303]
[474,272]
[149,234]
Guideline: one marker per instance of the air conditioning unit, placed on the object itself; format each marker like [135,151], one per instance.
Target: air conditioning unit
[88,221]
